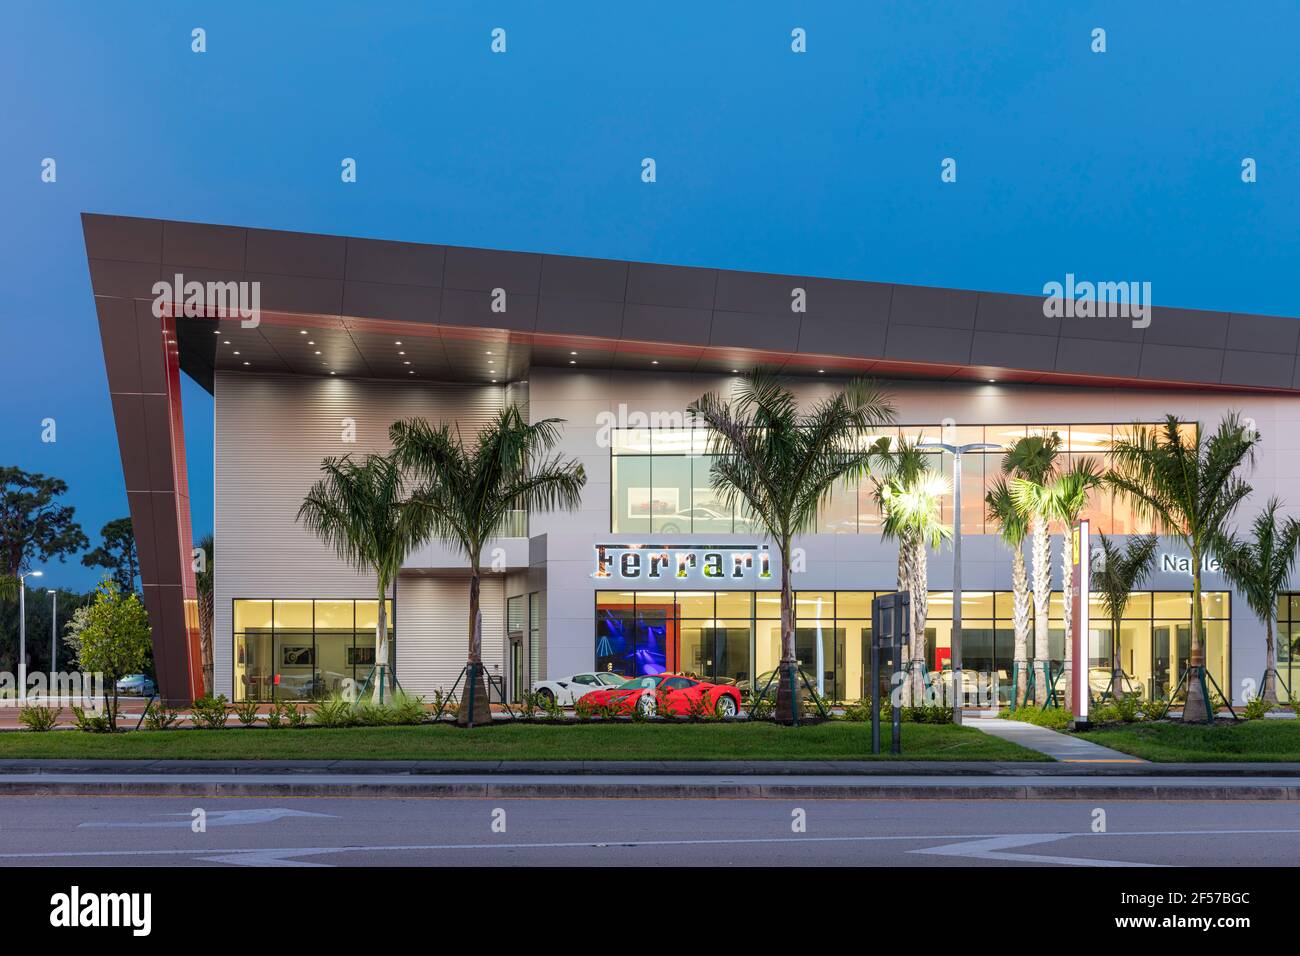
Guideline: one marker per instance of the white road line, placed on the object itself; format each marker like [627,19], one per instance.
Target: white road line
[282,852]
[214,818]
[991,849]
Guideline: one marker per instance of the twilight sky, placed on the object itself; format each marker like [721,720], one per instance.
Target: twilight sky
[1123,165]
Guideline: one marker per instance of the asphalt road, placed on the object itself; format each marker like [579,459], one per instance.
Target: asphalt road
[157,831]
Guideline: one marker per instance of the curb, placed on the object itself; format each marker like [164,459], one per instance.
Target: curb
[43,786]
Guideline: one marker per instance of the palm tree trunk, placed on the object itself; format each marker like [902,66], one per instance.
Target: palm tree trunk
[1270,658]
[381,645]
[1196,708]
[1116,685]
[1067,603]
[920,599]
[475,675]
[206,609]
[789,697]
[905,577]
[1020,620]
[1042,555]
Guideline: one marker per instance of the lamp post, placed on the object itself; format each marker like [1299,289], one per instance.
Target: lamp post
[957,451]
[22,631]
[54,633]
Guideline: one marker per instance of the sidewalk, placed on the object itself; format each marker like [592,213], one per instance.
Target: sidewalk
[1058,746]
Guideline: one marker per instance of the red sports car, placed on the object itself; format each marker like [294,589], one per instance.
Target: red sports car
[680,695]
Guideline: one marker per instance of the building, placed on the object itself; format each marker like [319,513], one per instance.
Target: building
[356,333]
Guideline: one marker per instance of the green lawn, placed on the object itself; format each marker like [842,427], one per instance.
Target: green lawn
[1174,742]
[838,740]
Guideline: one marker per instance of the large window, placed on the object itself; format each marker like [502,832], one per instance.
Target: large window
[305,649]
[735,637]
[660,480]
[1287,641]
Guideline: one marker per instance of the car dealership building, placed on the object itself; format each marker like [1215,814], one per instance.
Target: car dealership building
[653,573]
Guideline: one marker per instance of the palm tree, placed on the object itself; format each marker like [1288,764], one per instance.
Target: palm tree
[467,495]
[204,580]
[910,501]
[1261,568]
[779,466]
[1116,573]
[1069,497]
[356,509]
[1187,487]
[1013,528]
[1031,465]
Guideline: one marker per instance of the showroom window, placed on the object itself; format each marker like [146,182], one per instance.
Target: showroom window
[729,637]
[660,481]
[305,649]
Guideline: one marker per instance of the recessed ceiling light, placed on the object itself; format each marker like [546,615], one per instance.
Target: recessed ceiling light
[572,362]
[654,361]
[573,353]
[993,381]
[216,331]
[318,351]
[401,352]
[487,353]
[492,361]
[493,380]
[406,363]
[333,373]
[736,370]
[310,342]
[236,351]
[821,371]
[397,343]
[302,331]
[248,363]
[226,342]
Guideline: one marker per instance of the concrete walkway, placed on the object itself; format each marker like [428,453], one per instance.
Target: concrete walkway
[1061,747]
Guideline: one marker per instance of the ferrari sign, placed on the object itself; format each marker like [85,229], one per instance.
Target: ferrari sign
[648,562]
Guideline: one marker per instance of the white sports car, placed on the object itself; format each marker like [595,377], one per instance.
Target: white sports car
[566,690]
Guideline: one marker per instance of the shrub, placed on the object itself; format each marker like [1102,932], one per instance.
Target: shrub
[334,712]
[296,716]
[551,709]
[762,708]
[157,716]
[529,704]
[664,707]
[1156,709]
[210,712]
[860,712]
[276,717]
[443,704]
[926,714]
[39,719]
[246,711]
[91,723]
[701,708]
[1256,708]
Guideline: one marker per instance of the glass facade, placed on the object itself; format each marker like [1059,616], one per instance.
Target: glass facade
[734,637]
[660,480]
[305,649]
[1287,639]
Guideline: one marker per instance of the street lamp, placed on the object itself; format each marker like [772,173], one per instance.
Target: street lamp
[54,632]
[957,451]
[22,631]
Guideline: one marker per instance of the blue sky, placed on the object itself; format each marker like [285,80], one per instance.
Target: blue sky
[1122,165]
